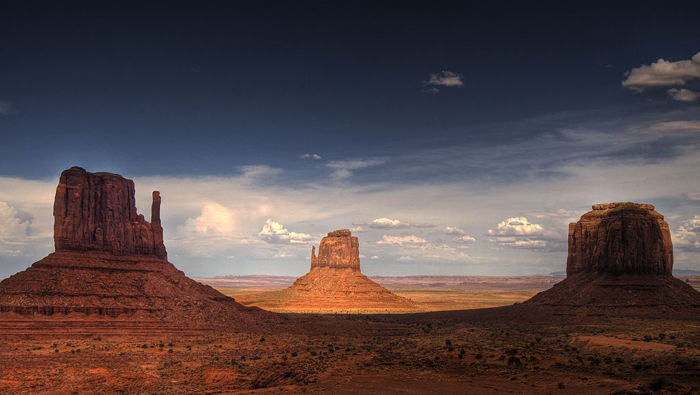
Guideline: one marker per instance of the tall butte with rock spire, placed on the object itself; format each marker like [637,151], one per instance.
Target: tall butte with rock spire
[334,284]
[620,257]
[111,264]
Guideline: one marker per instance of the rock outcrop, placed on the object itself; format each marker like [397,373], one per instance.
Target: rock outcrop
[334,284]
[110,263]
[339,249]
[620,238]
[97,212]
[620,257]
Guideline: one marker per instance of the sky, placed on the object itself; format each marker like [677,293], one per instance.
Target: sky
[451,139]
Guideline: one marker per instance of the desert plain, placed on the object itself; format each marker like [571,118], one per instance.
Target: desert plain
[494,350]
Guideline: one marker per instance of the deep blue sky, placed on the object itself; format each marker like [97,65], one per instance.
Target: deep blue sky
[201,87]
[452,138]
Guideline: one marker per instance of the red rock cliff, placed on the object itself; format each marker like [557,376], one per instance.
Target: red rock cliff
[339,249]
[97,211]
[619,238]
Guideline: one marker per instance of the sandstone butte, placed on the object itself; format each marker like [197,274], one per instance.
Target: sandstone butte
[334,284]
[111,264]
[620,257]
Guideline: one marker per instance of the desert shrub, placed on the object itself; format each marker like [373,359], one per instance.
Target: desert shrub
[170,351]
[262,340]
[658,384]
[478,356]
[561,385]
[515,362]
[662,336]
[144,346]
[294,354]
[647,338]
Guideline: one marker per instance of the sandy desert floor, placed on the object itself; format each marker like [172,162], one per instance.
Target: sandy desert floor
[368,354]
[465,351]
[431,293]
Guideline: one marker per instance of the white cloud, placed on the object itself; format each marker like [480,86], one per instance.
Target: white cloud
[344,168]
[386,223]
[682,94]
[518,232]
[310,156]
[207,234]
[461,235]
[516,226]
[662,73]
[382,223]
[401,240]
[451,230]
[443,79]
[275,233]
[214,219]
[687,235]
[13,231]
[466,239]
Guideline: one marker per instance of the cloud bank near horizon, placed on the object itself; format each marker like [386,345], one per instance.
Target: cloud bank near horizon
[506,216]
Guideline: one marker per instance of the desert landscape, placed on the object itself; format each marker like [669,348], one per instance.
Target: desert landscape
[357,197]
[107,312]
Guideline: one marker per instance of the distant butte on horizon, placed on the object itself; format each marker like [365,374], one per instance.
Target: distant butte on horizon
[334,284]
[620,258]
[110,263]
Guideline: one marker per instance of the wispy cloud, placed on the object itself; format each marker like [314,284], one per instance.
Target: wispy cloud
[682,94]
[443,79]
[5,108]
[310,156]
[676,126]
[401,240]
[343,169]
[389,223]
